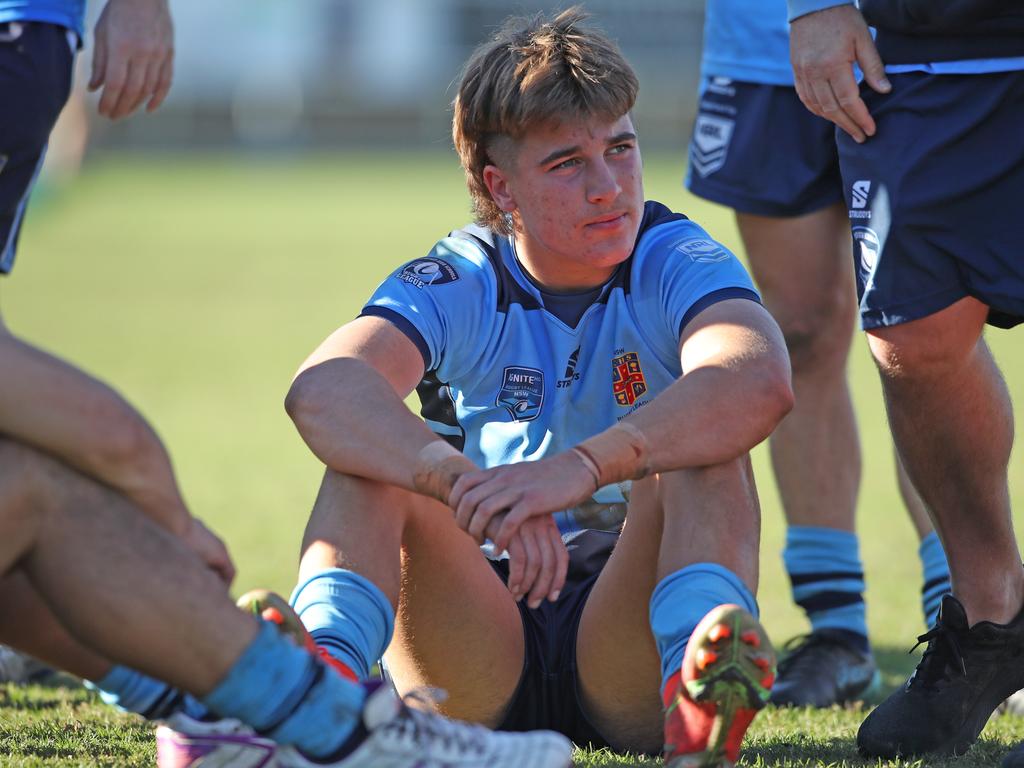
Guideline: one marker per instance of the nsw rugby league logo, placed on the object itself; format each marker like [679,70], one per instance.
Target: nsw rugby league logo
[628,381]
[522,392]
[428,271]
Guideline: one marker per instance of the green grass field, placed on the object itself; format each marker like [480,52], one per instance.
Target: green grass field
[197,284]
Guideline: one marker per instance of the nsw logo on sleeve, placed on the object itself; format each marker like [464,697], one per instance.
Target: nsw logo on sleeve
[710,145]
[428,271]
[702,250]
[522,392]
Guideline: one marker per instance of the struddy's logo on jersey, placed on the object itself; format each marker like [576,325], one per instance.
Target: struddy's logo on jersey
[628,382]
[710,145]
[428,271]
[522,392]
[859,193]
[702,250]
[570,371]
[867,240]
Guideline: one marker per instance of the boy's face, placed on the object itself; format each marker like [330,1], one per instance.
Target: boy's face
[575,192]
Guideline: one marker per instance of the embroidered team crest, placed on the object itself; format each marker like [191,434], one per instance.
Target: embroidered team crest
[703,251]
[428,271]
[522,392]
[710,145]
[627,378]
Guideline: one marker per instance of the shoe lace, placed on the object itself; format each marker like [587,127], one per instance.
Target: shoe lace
[428,730]
[942,653]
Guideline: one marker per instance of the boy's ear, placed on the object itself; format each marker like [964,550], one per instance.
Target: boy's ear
[497,183]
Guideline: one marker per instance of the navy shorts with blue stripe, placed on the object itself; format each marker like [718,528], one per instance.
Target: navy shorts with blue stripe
[756,149]
[35,80]
[935,197]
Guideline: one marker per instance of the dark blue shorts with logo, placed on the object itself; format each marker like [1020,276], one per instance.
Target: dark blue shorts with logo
[35,80]
[548,694]
[935,197]
[756,149]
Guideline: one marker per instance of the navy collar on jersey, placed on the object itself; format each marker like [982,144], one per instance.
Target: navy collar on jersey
[568,308]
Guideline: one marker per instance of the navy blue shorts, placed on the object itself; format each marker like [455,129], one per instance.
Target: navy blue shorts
[756,149]
[547,696]
[35,80]
[935,197]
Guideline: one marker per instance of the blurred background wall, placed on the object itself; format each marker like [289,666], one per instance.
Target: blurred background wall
[340,73]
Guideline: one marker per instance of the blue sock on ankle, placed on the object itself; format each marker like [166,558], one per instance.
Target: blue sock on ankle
[682,599]
[133,691]
[827,577]
[347,615]
[936,576]
[283,691]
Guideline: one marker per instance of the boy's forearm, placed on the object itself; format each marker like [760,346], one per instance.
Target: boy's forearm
[355,423]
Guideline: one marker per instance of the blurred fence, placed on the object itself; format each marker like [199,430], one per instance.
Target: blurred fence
[335,73]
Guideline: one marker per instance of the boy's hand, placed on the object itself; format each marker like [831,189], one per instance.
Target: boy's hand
[538,560]
[524,490]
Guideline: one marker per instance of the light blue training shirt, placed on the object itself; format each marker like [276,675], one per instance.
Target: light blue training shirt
[64,13]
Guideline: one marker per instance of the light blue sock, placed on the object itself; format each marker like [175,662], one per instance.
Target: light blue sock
[682,599]
[348,615]
[936,576]
[133,691]
[827,577]
[283,691]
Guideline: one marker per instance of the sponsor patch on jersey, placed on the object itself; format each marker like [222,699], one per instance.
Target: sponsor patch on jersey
[522,392]
[710,145]
[428,271]
[702,250]
[628,381]
[869,244]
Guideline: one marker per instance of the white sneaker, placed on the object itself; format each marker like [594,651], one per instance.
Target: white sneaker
[400,736]
[184,742]
[17,667]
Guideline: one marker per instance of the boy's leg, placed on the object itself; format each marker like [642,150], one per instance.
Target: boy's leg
[51,405]
[125,588]
[456,625]
[675,520]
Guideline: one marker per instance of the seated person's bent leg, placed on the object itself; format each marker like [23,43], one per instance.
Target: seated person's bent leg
[370,546]
[693,536]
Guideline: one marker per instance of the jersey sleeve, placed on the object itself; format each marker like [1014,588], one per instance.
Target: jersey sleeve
[440,303]
[682,271]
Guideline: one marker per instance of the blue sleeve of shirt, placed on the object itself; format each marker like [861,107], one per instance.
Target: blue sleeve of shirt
[682,271]
[798,8]
[440,303]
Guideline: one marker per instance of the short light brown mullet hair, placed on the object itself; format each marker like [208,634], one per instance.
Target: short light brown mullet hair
[534,72]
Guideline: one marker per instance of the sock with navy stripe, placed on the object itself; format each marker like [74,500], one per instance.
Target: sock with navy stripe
[936,576]
[827,578]
[133,691]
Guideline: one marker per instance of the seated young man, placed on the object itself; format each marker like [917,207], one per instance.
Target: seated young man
[583,358]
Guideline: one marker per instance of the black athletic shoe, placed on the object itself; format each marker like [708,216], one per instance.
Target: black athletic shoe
[822,669]
[1015,757]
[963,676]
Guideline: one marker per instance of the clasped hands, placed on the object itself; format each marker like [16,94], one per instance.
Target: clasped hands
[513,505]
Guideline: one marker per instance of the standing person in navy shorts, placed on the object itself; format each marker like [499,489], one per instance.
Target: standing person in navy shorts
[757,150]
[44,401]
[933,171]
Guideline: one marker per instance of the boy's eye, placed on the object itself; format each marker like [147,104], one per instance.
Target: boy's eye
[566,163]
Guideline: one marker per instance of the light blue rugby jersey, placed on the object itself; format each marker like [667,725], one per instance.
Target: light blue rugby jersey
[747,40]
[514,374]
[65,13]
